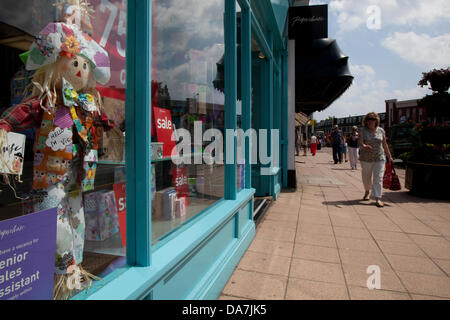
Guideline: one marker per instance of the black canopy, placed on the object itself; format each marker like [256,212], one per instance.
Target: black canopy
[322,74]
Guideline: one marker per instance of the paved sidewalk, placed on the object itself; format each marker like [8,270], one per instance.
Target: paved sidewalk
[317,242]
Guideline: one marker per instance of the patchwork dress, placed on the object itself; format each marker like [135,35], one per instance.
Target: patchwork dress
[64,165]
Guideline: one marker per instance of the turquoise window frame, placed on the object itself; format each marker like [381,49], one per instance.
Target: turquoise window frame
[146,264]
[138,117]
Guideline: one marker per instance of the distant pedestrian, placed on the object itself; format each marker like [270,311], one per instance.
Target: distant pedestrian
[345,149]
[297,143]
[304,145]
[374,150]
[337,143]
[353,147]
[313,144]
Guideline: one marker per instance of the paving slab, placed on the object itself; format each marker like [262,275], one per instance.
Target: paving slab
[414,264]
[271,247]
[265,263]
[426,284]
[316,253]
[255,285]
[301,289]
[358,293]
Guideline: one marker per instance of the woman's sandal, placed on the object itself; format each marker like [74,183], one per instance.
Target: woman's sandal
[366,196]
[380,204]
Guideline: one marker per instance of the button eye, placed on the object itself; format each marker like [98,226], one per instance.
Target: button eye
[75,64]
[85,66]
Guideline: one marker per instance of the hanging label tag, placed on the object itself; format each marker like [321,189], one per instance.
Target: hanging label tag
[13,154]
[91,156]
[59,139]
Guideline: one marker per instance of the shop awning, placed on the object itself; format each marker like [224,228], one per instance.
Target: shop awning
[322,74]
[301,119]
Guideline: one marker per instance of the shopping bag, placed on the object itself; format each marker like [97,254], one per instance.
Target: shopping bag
[395,181]
[387,178]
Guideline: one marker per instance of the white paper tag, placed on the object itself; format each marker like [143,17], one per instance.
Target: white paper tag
[59,139]
[13,154]
[91,156]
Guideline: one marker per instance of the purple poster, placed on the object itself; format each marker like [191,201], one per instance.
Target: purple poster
[27,256]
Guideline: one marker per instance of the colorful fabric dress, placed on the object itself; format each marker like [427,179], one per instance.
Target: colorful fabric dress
[65,156]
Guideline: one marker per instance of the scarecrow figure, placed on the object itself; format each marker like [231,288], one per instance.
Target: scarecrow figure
[66,109]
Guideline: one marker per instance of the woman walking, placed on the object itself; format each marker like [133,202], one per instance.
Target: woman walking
[353,148]
[313,145]
[374,150]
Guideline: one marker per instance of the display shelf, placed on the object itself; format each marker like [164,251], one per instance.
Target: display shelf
[160,228]
[112,246]
[111,163]
[192,155]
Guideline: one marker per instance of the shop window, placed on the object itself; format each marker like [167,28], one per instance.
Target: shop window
[240,156]
[63,93]
[187,101]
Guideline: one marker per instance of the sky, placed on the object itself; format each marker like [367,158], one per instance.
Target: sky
[390,43]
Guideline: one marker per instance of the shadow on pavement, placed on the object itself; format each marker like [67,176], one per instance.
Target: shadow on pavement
[406,197]
[342,203]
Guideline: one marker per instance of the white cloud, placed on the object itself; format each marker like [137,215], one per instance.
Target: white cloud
[421,49]
[409,94]
[352,14]
[367,94]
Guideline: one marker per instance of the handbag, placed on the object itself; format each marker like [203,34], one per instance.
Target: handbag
[387,178]
[395,181]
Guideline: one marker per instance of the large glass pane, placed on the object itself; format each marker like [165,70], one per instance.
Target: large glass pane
[240,157]
[188,95]
[63,91]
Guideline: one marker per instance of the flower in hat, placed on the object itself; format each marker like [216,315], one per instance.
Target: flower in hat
[70,47]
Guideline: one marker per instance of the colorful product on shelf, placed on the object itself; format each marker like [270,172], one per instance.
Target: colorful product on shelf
[153,182]
[157,151]
[181,209]
[102,221]
[192,183]
[169,207]
[164,206]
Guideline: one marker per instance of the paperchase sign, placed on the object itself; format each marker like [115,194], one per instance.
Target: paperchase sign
[27,256]
[308,22]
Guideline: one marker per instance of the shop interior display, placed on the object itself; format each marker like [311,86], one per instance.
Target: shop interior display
[68,126]
[179,191]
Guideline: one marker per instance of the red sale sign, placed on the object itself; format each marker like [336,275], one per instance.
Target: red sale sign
[180,181]
[121,201]
[162,120]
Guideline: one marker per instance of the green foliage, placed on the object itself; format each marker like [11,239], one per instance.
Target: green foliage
[439,79]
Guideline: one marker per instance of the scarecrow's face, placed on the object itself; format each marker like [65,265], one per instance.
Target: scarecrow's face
[76,70]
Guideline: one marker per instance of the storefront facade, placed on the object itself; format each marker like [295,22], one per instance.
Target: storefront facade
[147,207]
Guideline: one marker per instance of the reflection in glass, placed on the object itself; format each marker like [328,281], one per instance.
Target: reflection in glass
[188,44]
